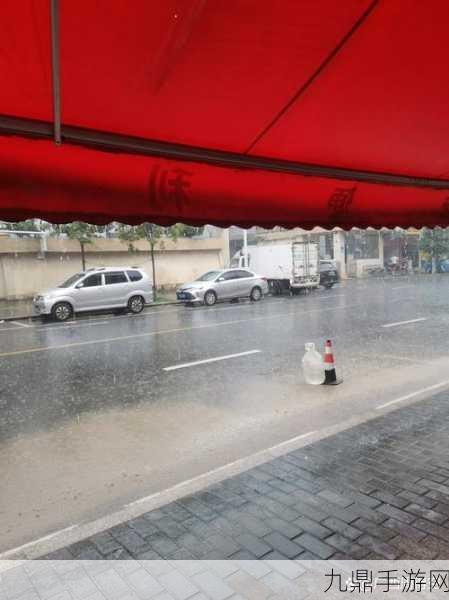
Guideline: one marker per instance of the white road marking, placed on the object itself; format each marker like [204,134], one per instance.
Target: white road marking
[413,394]
[22,324]
[74,533]
[122,338]
[71,325]
[404,322]
[210,360]
[331,296]
[91,321]
[6,329]
[402,299]
[393,357]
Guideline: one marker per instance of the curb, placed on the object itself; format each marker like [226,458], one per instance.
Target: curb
[37,317]
[19,318]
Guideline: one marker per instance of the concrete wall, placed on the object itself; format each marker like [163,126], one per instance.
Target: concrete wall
[25,271]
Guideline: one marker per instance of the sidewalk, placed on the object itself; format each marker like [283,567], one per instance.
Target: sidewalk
[15,308]
[379,490]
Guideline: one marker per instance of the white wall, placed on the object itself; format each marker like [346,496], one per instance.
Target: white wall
[23,272]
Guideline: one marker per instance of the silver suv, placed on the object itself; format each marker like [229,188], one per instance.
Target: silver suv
[223,284]
[96,289]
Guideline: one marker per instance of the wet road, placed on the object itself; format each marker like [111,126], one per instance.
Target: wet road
[101,411]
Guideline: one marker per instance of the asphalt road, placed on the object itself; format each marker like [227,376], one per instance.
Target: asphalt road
[101,411]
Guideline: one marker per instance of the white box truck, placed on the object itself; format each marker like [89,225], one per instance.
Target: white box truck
[292,266]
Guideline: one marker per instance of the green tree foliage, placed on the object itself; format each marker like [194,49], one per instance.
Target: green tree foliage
[154,235]
[187,230]
[28,225]
[82,233]
[435,244]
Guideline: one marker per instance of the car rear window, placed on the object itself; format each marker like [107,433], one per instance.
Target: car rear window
[134,275]
[230,275]
[115,277]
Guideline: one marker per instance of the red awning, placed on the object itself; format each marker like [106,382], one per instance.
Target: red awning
[300,112]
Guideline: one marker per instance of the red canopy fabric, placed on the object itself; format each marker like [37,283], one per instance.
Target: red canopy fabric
[295,113]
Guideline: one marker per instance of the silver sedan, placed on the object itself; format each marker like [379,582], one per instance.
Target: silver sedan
[223,284]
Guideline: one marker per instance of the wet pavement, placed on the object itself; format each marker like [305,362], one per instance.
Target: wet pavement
[90,420]
[378,491]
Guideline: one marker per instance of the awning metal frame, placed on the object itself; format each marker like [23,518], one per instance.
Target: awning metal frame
[55,79]
[111,142]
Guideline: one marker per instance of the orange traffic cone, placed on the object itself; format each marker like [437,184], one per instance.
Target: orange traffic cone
[329,366]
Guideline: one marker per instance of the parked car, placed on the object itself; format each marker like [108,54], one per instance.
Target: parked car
[441,266]
[328,273]
[223,284]
[96,289]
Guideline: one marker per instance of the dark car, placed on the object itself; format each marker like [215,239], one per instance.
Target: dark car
[328,273]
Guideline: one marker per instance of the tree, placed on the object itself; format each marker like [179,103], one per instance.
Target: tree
[83,233]
[151,233]
[434,243]
[186,230]
[28,225]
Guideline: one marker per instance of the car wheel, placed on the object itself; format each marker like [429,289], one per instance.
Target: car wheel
[210,298]
[62,311]
[136,304]
[256,294]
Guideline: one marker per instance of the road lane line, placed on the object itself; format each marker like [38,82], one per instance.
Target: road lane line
[413,394]
[71,325]
[6,329]
[393,357]
[401,287]
[330,296]
[22,324]
[404,322]
[175,330]
[114,319]
[210,360]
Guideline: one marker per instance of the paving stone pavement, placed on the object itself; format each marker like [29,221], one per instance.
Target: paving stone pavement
[379,490]
[216,580]
[161,580]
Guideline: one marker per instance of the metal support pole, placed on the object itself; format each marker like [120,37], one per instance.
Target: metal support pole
[54,13]
[245,248]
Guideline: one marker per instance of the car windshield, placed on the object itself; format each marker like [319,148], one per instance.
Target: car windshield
[71,280]
[209,276]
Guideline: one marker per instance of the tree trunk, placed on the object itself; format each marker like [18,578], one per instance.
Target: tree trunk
[434,264]
[153,266]
[83,256]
